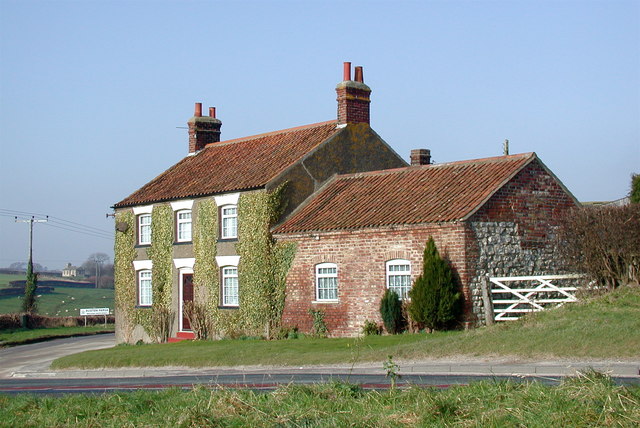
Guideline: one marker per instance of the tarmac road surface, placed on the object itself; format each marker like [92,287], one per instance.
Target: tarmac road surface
[26,369]
[37,357]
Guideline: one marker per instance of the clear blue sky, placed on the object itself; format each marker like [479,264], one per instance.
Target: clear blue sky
[94,95]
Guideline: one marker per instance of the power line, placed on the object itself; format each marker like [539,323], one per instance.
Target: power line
[82,232]
[58,219]
[31,221]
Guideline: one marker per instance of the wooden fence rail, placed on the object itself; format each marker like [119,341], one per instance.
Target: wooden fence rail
[513,296]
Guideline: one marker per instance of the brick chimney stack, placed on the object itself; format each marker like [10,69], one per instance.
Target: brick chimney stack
[353,97]
[420,157]
[203,130]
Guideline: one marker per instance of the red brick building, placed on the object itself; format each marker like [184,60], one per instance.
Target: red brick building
[362,233]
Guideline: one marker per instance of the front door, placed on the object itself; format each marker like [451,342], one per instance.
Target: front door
[187,296]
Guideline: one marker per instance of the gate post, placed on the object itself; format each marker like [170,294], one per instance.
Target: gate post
[487,301]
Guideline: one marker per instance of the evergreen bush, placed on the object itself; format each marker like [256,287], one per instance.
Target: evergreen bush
[635,189]
[29,304]
[391,311]
[435,299]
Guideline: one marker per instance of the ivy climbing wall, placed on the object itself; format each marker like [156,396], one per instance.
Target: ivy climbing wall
[262,270]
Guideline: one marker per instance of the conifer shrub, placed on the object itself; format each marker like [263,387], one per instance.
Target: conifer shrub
[29,304]
[436,302]
[391,311]
[634,195]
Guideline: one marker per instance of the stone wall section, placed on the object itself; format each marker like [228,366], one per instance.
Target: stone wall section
[514,233]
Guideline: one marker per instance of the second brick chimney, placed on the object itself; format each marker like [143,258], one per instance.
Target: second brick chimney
[353,97]
[203,130]
[420,157]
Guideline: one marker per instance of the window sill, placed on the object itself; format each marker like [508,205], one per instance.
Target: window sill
[182,242]
[142,245]
[144,306]
[326,301]
[227,239]
[228,307]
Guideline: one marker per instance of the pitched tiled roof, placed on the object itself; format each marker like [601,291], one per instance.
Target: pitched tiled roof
[243,163]
[412,195]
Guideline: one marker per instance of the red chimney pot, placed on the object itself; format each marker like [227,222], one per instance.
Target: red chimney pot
[359,77]
[212,112]
[347,71]
[198,112]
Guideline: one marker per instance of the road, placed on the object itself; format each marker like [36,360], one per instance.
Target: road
[27,369]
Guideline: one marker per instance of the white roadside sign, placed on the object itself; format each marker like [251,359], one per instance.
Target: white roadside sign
[94,311]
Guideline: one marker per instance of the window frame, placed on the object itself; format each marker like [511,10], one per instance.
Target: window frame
[148,290]
[140,228]
[223,287]
[319,276]
[180,222]
[403,294]
[224,217]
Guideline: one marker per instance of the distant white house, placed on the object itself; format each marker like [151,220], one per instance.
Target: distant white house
[71,271]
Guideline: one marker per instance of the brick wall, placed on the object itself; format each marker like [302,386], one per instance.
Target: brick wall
[360,257]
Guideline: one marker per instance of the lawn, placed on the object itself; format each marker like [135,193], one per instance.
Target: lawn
[586,401]
[603,327]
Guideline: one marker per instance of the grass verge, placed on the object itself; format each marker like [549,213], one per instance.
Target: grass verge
[590,400]
[604,327]
[24,336]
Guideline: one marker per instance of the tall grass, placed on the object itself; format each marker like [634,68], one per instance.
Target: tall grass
[591,400]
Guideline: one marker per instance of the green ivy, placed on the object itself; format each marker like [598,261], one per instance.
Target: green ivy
[206,280]
[263,262]
[263,267]
[161,254]
[124,274]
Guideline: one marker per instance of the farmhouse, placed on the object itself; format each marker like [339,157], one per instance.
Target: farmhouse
[249,234]
[194,231]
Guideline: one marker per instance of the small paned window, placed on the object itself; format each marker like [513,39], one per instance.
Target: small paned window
[229,223]
[145,297]
[144,229]
[327,281]
[399,277]
[230,286]
[183,222]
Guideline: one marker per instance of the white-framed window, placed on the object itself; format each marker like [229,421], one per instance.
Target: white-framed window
[399,277]
[326,281]
[230,286]
[229,221]
[183,226]
[145,291]
[144,229]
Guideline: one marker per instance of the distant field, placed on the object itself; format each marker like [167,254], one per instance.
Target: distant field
[64,301]
[5,279]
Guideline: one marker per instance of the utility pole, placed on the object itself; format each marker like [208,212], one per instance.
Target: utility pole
[31,221]
[29,302]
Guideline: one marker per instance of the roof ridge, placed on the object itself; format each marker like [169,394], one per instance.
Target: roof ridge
[266,134]
[487,159]
[437,165]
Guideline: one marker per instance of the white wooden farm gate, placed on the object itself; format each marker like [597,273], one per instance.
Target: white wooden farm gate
[514,296]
